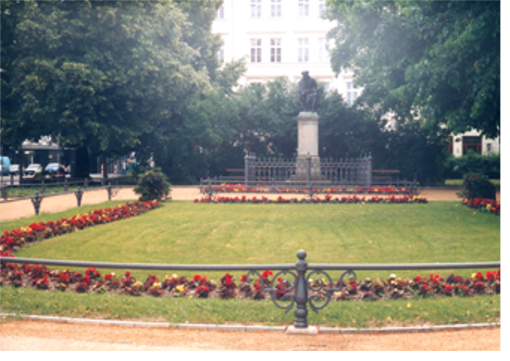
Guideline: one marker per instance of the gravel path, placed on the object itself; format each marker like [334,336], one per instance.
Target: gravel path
[21,209]
[45,336]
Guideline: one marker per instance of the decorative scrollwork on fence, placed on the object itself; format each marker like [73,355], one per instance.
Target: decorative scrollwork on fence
[284,290]
[320,290]
[341,280]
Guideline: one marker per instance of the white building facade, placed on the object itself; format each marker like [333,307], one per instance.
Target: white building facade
[280,38]
[284,37]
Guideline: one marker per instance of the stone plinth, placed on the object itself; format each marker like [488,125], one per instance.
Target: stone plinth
[308,134]
[308,146]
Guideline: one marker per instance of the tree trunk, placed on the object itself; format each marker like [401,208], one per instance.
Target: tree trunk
[81,170]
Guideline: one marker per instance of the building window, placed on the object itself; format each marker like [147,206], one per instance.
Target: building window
[276,8]
[256,9]
[471,143]
[276,50]
[304,8]
[322,7]
[256,50]
[220,14]
[322,50]
[352,93]
[221,55]
[303,50]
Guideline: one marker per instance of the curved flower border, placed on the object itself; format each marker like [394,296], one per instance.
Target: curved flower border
[326,199]
[232,188]
[484,205]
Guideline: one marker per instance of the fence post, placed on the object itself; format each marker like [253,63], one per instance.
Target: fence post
[43,188]
[66,185]
[4,192]
[36,201]
[109,190]
[78,194]
[85,184]
[12,179]
[246,170]
[210,189]
[369,170]
[301,295]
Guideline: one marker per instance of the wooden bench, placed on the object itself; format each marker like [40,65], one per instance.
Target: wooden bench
[231,171]
[384,177]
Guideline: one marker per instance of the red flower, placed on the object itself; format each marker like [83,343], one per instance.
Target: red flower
[243,278]
[266,274]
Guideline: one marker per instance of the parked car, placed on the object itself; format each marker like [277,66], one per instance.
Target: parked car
[55,170]
[4,165]
[33,171]
[14,169]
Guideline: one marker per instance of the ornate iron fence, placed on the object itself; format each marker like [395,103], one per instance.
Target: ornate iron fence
[295,280]
[309,170]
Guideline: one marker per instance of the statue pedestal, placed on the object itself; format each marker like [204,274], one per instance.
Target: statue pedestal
[308,146]
[308,134]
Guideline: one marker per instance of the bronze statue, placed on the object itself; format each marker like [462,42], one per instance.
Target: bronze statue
[307,92]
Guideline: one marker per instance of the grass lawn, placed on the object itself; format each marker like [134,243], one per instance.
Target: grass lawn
[215,311]
[50,189]
[188,233]
[458,182]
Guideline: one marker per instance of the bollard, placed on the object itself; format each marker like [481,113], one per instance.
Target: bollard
[43,188]
[36,201]
[4,193]
[79,195]
[109,190]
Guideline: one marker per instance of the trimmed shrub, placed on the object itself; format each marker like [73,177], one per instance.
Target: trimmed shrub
[153,184]
[488,165]
[477,185]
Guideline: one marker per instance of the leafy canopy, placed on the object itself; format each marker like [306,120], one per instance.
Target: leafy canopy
[441,58]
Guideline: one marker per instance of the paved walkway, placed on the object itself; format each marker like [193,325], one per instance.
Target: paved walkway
[21,209]
[46,336]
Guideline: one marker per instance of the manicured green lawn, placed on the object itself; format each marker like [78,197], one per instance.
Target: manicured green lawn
[188,233]
[458,182]
[217,311]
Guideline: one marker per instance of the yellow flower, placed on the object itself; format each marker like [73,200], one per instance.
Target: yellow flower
[180,288]
[174,276]
[408,305]
[156,284]
[138,284]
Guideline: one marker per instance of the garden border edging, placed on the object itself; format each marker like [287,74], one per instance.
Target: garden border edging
[252,328]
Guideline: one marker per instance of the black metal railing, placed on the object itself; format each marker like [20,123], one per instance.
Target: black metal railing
[211,186]
[311,173]
[302,291]
[111,190]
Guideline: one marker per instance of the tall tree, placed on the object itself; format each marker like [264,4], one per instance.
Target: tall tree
[104,74]
[440,59]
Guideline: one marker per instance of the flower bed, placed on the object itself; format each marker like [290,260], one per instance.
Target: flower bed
[484,205]
[230,187]
[11,241]
[326,199]
[40,277]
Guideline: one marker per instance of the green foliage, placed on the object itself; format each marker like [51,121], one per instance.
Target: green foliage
[477,185]
[117,77]
[440,59]
[416,152]
[488,165]
[152,185]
